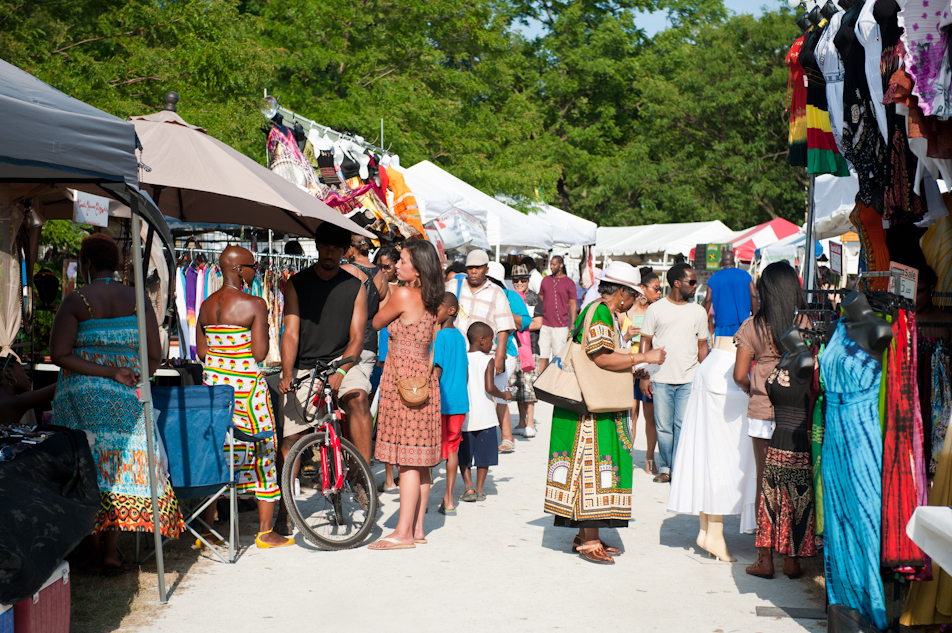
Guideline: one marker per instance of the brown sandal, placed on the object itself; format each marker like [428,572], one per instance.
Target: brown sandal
[608,548]
[595,553]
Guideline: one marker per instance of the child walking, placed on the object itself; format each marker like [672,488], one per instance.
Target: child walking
[478,446]
[450,367]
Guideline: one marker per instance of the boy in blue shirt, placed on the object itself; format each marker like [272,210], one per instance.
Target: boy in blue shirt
[450,368]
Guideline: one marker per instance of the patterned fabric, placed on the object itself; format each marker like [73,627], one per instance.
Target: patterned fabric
[488,304]
[828,59]
[904,477]
[852,477]
[408,436]
[229,361]
[589,474]
[113,413]
[941,403]
[524,380]
[927,61]
[785,519]
[823,156]
[404,204]
[874,252]
[816,441]
[797,98]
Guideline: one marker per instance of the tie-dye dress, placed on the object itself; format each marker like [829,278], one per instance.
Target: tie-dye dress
[229,362]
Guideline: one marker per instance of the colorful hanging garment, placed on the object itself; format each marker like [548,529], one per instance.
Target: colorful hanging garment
[816,443]
[941,403]
[927,62]
[904,477]
[874,252]
[823,156]
[937,248]
[797,100]
[852,477]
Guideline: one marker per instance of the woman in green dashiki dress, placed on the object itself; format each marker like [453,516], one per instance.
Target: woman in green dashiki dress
[95,341]
[588,485]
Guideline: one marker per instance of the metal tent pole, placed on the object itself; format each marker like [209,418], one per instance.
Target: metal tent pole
[809,250]
[145,395]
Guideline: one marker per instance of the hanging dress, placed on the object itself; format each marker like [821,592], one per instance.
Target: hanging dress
[904,473]
[823,156]
[828,59]
[852,477]
[797,100]
[927,59]
[863,145]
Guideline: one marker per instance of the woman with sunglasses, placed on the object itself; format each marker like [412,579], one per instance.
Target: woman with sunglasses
[631,328]
[386,260]
[524,379]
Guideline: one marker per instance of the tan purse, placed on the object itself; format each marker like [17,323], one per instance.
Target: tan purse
[413,391]
[602,390]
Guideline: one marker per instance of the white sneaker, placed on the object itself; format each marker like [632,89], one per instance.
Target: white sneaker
[530,432]
[521,431]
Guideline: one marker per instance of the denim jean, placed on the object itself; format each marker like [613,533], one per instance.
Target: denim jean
[669,404]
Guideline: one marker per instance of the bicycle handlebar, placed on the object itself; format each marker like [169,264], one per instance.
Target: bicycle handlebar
[323,370]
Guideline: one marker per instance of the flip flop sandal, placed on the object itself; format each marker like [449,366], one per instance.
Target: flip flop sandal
[450,513]
[469,495]
[480,496]
[393,544]
[507,446]
[420,541]
[390,491]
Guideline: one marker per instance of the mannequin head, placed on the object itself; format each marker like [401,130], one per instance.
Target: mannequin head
[797,357]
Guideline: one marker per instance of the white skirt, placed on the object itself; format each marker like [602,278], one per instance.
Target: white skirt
[714,469]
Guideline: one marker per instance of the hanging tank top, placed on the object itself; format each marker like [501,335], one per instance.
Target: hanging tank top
[373,304]
[326,310]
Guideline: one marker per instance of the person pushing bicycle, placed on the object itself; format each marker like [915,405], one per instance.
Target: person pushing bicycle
[325,313]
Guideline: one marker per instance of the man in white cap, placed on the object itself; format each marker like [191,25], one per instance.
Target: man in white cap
[482,300]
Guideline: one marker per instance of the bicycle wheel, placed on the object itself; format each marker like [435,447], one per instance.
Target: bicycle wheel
[334,521]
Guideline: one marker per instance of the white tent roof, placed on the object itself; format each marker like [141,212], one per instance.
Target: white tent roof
[567,228]
[659,238]
[441,191]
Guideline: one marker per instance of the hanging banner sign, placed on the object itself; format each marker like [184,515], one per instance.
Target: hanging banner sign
[836,258]
[903,280]
[457,228]
[90,209]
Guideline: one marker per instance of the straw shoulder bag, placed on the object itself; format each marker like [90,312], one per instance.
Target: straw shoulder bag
[602,390]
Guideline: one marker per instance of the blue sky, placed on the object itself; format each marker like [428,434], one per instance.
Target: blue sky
[656,21]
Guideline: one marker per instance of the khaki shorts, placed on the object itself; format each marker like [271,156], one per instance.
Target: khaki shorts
[294,402]
[552,340]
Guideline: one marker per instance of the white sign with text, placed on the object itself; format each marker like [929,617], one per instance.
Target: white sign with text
[90,209]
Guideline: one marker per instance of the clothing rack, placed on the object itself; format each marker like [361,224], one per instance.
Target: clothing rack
[293,117]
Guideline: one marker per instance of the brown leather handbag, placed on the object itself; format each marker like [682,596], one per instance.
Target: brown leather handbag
[413,391]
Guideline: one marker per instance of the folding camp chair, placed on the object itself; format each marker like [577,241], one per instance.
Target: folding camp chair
[194,423]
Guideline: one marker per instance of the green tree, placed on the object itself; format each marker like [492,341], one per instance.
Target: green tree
[122,56]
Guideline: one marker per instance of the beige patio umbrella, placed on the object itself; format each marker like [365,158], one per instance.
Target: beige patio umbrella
[194,177]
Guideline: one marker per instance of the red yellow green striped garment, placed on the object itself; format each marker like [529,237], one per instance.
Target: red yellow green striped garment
[229,361]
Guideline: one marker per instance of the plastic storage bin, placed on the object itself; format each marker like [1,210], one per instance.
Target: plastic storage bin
[48,610]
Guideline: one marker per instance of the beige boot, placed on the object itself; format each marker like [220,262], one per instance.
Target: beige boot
[714,541]
[702,534]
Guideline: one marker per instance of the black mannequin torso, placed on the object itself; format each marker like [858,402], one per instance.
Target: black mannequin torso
[828,9]
[803,22]
[870,332]
[798,358]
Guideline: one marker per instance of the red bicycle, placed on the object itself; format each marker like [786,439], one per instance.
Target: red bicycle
[336,505]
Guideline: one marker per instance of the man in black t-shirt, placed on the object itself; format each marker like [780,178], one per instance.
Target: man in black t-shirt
[325,313]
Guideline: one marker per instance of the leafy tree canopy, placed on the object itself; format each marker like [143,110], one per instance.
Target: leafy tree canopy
[603,120]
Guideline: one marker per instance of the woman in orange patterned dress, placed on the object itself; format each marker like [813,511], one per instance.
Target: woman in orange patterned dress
[410,436]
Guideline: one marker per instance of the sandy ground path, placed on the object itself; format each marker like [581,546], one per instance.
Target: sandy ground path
[499,565]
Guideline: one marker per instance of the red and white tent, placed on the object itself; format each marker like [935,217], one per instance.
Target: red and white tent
[746,244]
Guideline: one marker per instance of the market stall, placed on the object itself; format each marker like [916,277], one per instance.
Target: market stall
[869,122]
[53,143]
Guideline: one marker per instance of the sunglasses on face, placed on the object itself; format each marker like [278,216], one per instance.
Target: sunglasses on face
[690,282]
[520,280]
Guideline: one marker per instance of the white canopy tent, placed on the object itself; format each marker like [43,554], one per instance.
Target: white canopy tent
[566,229]
[666,239]
[441,191]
